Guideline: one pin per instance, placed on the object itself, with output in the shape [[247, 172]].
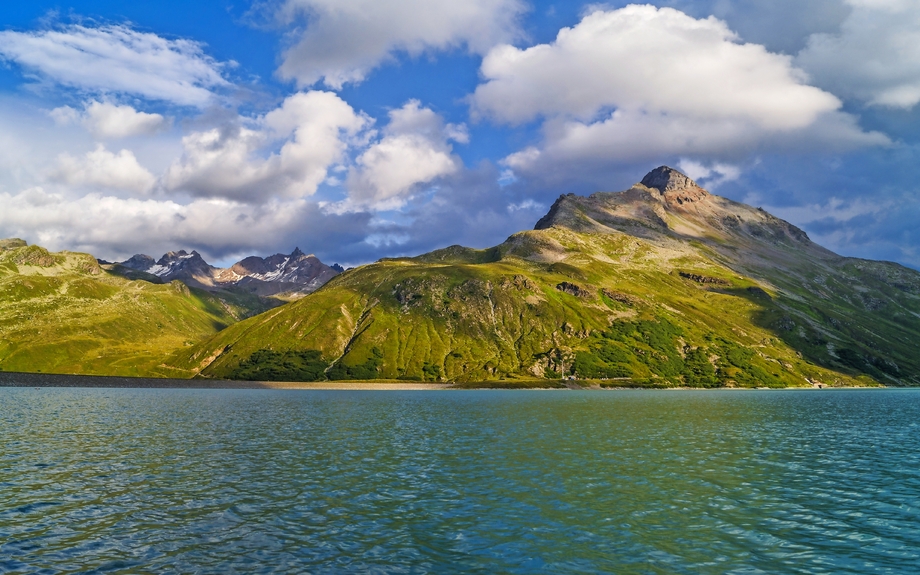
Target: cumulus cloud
[[116, 228], [709, 175], [313, 129], [415, 149], [105, 120], [874, 58], [640, 83], [467, 208], [343, 41], [117, 59], [101, 168], [780, 25], [586, 150], [649, 59], [881, 227]]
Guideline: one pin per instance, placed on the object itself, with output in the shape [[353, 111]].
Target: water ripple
[[252, 481]]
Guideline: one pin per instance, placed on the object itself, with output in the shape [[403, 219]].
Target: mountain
[[66, 313], [663, 284], [296, 274]]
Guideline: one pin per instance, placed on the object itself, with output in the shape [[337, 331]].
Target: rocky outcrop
[[665, 179], [701, 279], [573, 289]]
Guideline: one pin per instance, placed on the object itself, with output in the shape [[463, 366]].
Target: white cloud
[[101, 168], [123, 226], [649, 59], [65, 116], [414, 150], [344, 40], [709, 176], [834, 209], [117, 59], [314, 127], [527, 205], [780, 25], [571, 147], [875, 57], [640, 83], [105, 120]]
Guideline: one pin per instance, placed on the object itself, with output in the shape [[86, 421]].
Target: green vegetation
[[650, 351], [357, 371], [64, 313], [268, 365], [611, 307]]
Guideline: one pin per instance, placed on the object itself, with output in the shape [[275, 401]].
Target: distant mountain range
[[68, 312], [295, 275]]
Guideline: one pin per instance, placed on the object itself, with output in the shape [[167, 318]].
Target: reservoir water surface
[[265, 481]]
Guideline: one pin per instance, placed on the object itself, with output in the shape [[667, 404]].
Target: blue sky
[[368, 128]]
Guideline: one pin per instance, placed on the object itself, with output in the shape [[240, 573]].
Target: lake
[[267, 481]]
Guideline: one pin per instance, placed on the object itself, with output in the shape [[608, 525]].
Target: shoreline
[[25, 379]]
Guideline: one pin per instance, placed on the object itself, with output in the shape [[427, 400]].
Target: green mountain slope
[[64, 313], [664, 284]]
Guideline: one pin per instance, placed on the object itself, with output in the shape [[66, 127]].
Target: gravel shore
[[10, 379]]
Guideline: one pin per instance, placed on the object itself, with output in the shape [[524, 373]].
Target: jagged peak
[[667, 179], [551, 216]]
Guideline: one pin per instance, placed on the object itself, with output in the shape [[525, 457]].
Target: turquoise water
[[253, 481]]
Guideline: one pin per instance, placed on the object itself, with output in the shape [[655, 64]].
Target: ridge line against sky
[[362, 129]]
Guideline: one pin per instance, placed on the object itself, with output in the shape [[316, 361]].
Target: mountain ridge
[[661, 284], [294, 275]]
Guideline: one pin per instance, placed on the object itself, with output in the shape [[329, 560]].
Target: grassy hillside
[[610, 307], [642, 288], [64, 313]]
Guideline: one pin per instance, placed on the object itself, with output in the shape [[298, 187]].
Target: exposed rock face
[[701, 279], [573, 289], [139, 262], [554, 213], [668, 204], [297, 272], [187, 267], [676, 189], [665, 179]]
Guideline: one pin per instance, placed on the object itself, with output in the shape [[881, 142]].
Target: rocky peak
[[676, 189], [140, 262], [665, 179], [170, 257], [558, 212]]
